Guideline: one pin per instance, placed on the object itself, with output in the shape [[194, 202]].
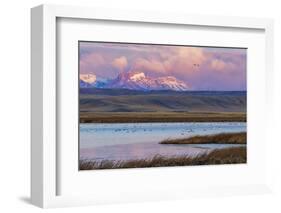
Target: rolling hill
[[123, 100]]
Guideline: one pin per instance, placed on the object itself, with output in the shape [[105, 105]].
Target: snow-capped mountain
[[91, 81], [138, 81], [88, 78], [171, 83]]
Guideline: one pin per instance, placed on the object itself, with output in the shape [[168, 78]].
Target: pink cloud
[[221, 66], [91, 62], [185, 60], [202, 67], [151, 65], [120, 63], [173, 60]]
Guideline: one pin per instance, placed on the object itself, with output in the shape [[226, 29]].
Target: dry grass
[[136, 117], [222, 138], [235, 155]]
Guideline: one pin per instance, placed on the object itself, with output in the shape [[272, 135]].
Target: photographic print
[[158, 105]]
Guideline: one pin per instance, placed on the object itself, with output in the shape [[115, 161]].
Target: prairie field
[[126, 106], [167, 128]]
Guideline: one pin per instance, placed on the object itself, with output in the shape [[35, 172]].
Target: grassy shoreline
[[222, 138], [233, 155], [143, 117]]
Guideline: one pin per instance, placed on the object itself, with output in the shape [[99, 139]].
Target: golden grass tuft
[[234, 155], [222, 138]]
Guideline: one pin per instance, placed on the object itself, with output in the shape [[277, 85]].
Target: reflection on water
[[141, 140]]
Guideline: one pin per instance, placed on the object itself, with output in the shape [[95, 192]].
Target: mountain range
[[134, 80]]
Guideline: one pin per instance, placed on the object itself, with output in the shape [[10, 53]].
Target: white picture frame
[[44, 148]]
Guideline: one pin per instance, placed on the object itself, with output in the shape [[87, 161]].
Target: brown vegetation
[[136, 117], [222, 138], [234, 155]]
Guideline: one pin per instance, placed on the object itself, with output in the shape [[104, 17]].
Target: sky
[[202, 68]]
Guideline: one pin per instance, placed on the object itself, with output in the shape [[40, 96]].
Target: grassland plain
[[127, 106], [233, 155], [162, 101], [111, 106]]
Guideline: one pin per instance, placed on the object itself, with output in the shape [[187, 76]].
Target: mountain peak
[[88, 78], [135, 80], [135, 76]]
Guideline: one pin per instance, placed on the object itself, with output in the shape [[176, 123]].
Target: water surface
[[122, 141]]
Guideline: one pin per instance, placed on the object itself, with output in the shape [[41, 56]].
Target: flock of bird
[[180, 129]]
